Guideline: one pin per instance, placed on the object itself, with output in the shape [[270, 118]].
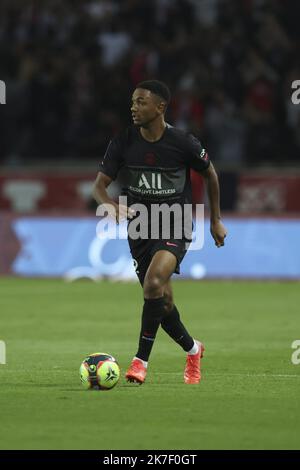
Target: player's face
[[145, 107]]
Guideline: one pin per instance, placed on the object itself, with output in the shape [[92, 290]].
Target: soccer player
[[157, 159]]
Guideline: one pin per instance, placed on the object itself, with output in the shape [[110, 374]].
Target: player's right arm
[[116, 211], [109, 168], [99, 190]]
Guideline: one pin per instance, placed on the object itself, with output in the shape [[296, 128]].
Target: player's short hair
[[157, 87]]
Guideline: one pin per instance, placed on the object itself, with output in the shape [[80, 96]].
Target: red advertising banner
[[38, 191], [246, 193], [269, 193]]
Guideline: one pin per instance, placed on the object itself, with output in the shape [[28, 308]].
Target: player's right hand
[[124, 213], [118, 212]]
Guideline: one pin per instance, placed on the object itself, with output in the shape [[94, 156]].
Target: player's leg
[[158, 273], [161, 268], [173, 326]]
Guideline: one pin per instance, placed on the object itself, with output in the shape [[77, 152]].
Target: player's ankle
[[145, 363], [194, 350]]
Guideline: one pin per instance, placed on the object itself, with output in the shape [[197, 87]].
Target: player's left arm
[[217, 228], [198, 159]]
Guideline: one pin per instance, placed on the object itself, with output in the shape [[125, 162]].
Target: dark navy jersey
[[155, 172]]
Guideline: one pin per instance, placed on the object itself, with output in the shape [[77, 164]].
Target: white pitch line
[[258, 375], [234, 375]]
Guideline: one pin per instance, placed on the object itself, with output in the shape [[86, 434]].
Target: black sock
[[172, 325], [153, 312]]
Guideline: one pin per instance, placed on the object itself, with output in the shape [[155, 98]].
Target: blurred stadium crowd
[[70, 68]]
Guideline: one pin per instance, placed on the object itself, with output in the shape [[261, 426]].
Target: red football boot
[[192, 372], [136, 372]]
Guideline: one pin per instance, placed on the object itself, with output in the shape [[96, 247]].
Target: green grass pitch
[[248, 398]]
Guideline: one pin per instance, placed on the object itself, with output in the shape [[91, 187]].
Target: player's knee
[[153, 287]]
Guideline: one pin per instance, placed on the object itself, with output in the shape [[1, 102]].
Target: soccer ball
[[99, 371]]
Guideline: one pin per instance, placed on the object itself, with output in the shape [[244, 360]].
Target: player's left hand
[[218, 232]]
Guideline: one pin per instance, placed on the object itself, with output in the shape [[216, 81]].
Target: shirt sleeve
[[113, 159], [197, 155]]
